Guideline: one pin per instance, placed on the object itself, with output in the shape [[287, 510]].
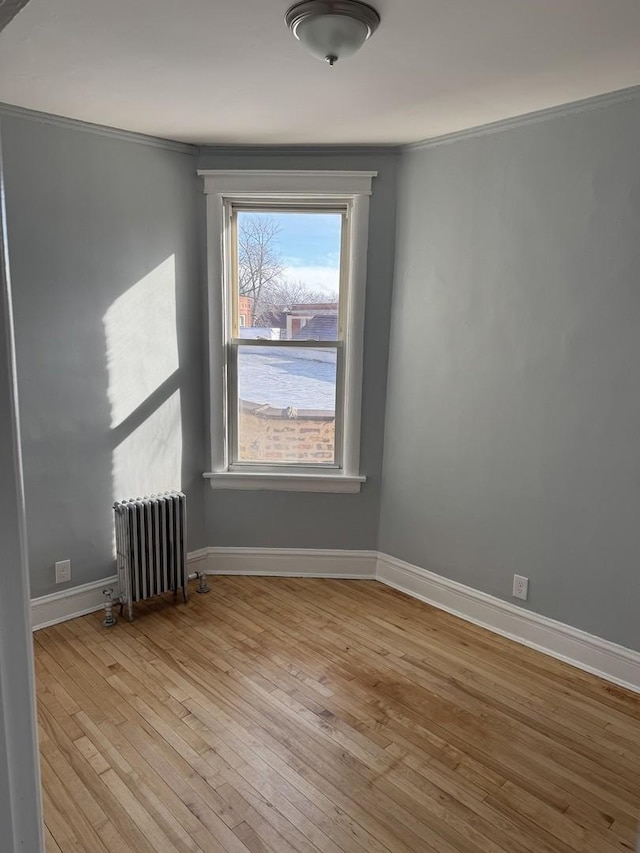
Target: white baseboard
[[276, 562], [198, 561], [293, 562], [586, 651], [87, 598], [69, 603]]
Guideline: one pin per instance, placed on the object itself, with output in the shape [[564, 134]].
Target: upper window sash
[[230, 251]]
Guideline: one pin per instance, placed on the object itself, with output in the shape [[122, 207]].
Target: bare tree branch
[[259, 262], [261, 270]]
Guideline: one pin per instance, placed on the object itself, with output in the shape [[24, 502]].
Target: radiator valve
[[109, 618], [203, 586]]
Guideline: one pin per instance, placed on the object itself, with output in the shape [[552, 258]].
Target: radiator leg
[[109, 618], [176, 592], [203, 586]]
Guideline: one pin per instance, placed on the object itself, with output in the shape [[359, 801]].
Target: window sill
[[335, 483]]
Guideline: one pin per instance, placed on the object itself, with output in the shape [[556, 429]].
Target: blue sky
[[310, 246]]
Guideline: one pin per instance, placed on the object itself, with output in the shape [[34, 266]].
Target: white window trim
[[355, 187]]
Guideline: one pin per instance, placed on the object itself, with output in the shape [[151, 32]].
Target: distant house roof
[[323, 327], [314, 306]]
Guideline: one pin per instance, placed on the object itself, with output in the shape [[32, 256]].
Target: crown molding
[[98, 129], [330, 150], [620, 96], [8, 10], [304, 150]]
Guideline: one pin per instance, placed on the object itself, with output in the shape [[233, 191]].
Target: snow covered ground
[[305, 379]]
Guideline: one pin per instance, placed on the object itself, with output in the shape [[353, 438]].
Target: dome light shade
[[332, 29]]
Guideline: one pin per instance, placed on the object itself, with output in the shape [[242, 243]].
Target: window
[[287, 271]]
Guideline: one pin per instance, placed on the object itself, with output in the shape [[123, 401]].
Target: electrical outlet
[[63, 571], [520, 587]]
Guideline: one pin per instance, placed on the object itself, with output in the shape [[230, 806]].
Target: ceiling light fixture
[[332, 29]]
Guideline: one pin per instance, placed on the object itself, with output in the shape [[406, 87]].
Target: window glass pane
[[288, 274], [287, 405]]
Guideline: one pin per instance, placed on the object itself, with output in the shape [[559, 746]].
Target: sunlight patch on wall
[[149, 460], [142, 343]]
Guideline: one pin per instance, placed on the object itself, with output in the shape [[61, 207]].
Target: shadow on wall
[[103, 241], [113, 423]]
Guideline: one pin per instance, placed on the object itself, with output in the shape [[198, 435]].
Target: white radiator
[[151, 547]]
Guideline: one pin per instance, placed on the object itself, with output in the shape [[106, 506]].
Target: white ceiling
[[228, 71]]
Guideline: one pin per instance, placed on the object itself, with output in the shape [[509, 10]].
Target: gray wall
[[94, 220], [20, 813], [98, 225], [513, 414], [301, 520], [513, 411]]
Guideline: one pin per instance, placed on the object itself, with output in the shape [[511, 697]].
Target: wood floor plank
[[83, 835], [445, 711], [289, 715], [50, 844], [354, 685], [118, 831]]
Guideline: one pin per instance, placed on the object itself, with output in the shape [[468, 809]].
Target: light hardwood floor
[[281, 715]]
